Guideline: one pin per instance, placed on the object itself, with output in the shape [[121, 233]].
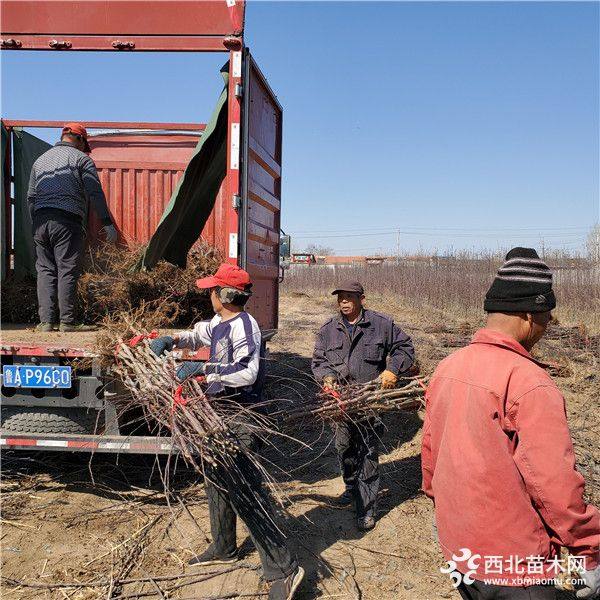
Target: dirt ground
[[68, 520]]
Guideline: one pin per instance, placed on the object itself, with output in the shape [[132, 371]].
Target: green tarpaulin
[[194, 197], [26, 149]]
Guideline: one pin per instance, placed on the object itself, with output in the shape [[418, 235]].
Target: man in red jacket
[[497, 456]]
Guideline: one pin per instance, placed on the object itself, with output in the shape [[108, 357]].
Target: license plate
[[18, 376]]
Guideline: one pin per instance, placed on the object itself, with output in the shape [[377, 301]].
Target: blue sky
[[460, 125]]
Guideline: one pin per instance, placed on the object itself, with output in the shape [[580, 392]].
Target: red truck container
[[139, 166]]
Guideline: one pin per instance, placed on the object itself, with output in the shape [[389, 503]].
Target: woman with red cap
[[234, 370]]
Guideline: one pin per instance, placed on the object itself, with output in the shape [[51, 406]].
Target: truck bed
[[13, 334]]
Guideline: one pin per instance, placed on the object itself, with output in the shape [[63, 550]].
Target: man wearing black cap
[[497, 456], [360, 345]]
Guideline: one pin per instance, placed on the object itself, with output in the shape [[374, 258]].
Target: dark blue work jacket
[[376, 344]]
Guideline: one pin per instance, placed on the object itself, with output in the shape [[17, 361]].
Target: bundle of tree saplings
[[356, 401], [202, 429], [19, 300], [111, 284]]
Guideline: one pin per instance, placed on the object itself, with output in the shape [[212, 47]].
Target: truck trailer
[[140, 166]]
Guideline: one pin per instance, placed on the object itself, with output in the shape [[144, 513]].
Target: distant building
[[354, 260], [303, 258]]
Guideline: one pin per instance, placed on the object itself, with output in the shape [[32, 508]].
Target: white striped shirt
[[234, 350]]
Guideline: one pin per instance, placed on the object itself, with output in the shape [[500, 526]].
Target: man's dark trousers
[[487, 591], [237, 489], [357, 444], [59, 244]]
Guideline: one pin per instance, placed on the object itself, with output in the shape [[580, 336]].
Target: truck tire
[[21, 419]]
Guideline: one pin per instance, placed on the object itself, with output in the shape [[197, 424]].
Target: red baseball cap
[[80, 130], [227, 275]]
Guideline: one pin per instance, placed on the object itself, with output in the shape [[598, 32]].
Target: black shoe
[[284, 589], [210, 557], [346, 499], [366, 523]]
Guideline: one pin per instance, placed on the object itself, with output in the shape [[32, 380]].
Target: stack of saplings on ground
[[19, 300]]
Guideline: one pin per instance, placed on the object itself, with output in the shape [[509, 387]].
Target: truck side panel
[[138, 173], [125, 17]]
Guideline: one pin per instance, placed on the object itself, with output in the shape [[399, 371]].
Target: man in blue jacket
[[360, 345]]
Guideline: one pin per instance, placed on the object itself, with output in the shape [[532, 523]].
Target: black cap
[[523, 284], [352, 287]]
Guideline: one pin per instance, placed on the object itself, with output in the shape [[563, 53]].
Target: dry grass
[[436, 333], [455, 286], [73, 521]]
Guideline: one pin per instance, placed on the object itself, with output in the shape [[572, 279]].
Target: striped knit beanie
[[523, 284]]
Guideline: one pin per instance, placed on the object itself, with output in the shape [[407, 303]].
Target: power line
[[503, 235], [566, 228]]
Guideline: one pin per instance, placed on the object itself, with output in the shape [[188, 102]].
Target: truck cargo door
[[5, 207], [261, 192]]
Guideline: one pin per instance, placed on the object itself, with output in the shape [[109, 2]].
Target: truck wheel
[[21, 419]]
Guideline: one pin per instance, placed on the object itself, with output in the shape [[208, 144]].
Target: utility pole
[[398, 247]]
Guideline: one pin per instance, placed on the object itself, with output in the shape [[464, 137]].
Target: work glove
[[388, 380], [110, 233], [592, 584], [330, 383], [162, 344], [190, 368]]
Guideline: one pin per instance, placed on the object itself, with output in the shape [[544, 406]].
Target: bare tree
[[593, 244], [318, 250]]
